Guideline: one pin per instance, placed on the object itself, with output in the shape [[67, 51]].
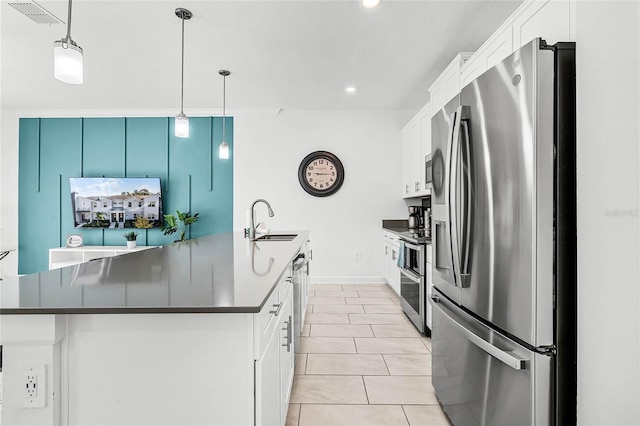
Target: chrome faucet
[[252, 227]]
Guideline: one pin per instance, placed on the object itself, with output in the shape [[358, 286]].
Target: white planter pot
[[131, 244]]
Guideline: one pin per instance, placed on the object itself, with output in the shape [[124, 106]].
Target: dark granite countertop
[[398, 227], [224, 273]]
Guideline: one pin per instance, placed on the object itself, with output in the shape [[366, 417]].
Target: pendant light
[[181, 124], [67, 58], [223, 150]]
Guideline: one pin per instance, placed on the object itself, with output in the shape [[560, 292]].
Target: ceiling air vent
[[36, 13]]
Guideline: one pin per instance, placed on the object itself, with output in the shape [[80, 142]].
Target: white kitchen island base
[[188, 334], [135, 369]]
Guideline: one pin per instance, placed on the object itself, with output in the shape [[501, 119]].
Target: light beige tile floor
[[361, 362]]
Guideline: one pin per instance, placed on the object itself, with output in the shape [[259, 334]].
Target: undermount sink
[[276, 237]]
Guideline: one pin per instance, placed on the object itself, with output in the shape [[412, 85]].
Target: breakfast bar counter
[[222, 273], [196, 332]]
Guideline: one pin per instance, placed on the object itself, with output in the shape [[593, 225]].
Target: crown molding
[[65, 113]]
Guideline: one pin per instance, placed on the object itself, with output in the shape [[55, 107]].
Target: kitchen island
[[179, 334]]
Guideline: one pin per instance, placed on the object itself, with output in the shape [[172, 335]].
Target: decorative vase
[[131, 244]]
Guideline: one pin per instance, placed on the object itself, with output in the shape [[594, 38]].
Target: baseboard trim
[[347, 280]]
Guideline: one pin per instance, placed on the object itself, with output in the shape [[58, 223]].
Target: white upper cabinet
[[448, 84], [553, 20], [498, 47], [416, 144]]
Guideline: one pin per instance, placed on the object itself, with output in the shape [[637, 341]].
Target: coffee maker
[[416, 218]]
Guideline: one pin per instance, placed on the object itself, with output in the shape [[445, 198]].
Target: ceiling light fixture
[[223, 150], [350, 89], [181, 124], [370, 4], [67, 58]]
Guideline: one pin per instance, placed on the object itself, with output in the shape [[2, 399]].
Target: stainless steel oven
[[412, 280]]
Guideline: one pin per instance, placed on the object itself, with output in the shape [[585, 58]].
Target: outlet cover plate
[[35, 385]]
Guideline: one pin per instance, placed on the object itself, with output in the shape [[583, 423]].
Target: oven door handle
[[410, 245], [411, 275]]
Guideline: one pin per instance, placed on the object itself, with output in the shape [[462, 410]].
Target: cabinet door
[[425, 145], [415, 184], [267, 398], [406, 158], [287, 356], [498, 47], [394, 272], [438, 96], [550, 20], [386, 255]]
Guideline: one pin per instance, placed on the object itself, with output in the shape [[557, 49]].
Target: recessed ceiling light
[[370, 4], [350, 89]]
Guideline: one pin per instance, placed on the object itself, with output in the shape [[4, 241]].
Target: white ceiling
[[281, 54]]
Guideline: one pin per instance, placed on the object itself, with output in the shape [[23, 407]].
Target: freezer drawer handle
[[507, 358]]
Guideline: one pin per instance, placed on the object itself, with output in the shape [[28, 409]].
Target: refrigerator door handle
[[450, 224], [460, 204], [508, 358], [466, 212]]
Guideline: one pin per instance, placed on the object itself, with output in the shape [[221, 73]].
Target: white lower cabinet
[[274, 364], [390, 270], [268, 385], [287, 356]]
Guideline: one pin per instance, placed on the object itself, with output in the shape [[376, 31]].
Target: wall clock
[[321, 173]]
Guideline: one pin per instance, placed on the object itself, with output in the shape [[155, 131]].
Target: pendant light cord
[[68, 39], [224, 106], [182, 71]]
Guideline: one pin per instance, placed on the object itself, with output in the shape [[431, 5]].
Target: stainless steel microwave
[[427, 170]]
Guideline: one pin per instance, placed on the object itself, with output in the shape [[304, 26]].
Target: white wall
[[608, 90], [9, 194], [268, 151]]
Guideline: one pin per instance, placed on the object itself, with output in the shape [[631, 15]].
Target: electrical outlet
[[358, 256], [35, 386]]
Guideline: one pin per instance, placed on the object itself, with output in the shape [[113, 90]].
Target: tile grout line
[[386, 365], [403, 412], [364, 385]]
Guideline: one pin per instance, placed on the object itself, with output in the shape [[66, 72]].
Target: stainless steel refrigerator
[[504, 243]]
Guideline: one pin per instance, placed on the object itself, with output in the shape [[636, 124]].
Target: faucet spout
[[252, 227]]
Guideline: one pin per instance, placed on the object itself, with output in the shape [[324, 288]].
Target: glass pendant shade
[[182, 126], [67, 62], [223, 151]]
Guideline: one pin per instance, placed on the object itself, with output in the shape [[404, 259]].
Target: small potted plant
[[131, 239], [172, 223]]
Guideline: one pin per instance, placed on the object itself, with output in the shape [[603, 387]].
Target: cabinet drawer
[[265, 322], [390, 237]]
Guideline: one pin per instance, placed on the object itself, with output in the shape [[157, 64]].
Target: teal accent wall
[[51, 150]]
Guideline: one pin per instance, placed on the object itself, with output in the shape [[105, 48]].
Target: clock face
[[321, 173]]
